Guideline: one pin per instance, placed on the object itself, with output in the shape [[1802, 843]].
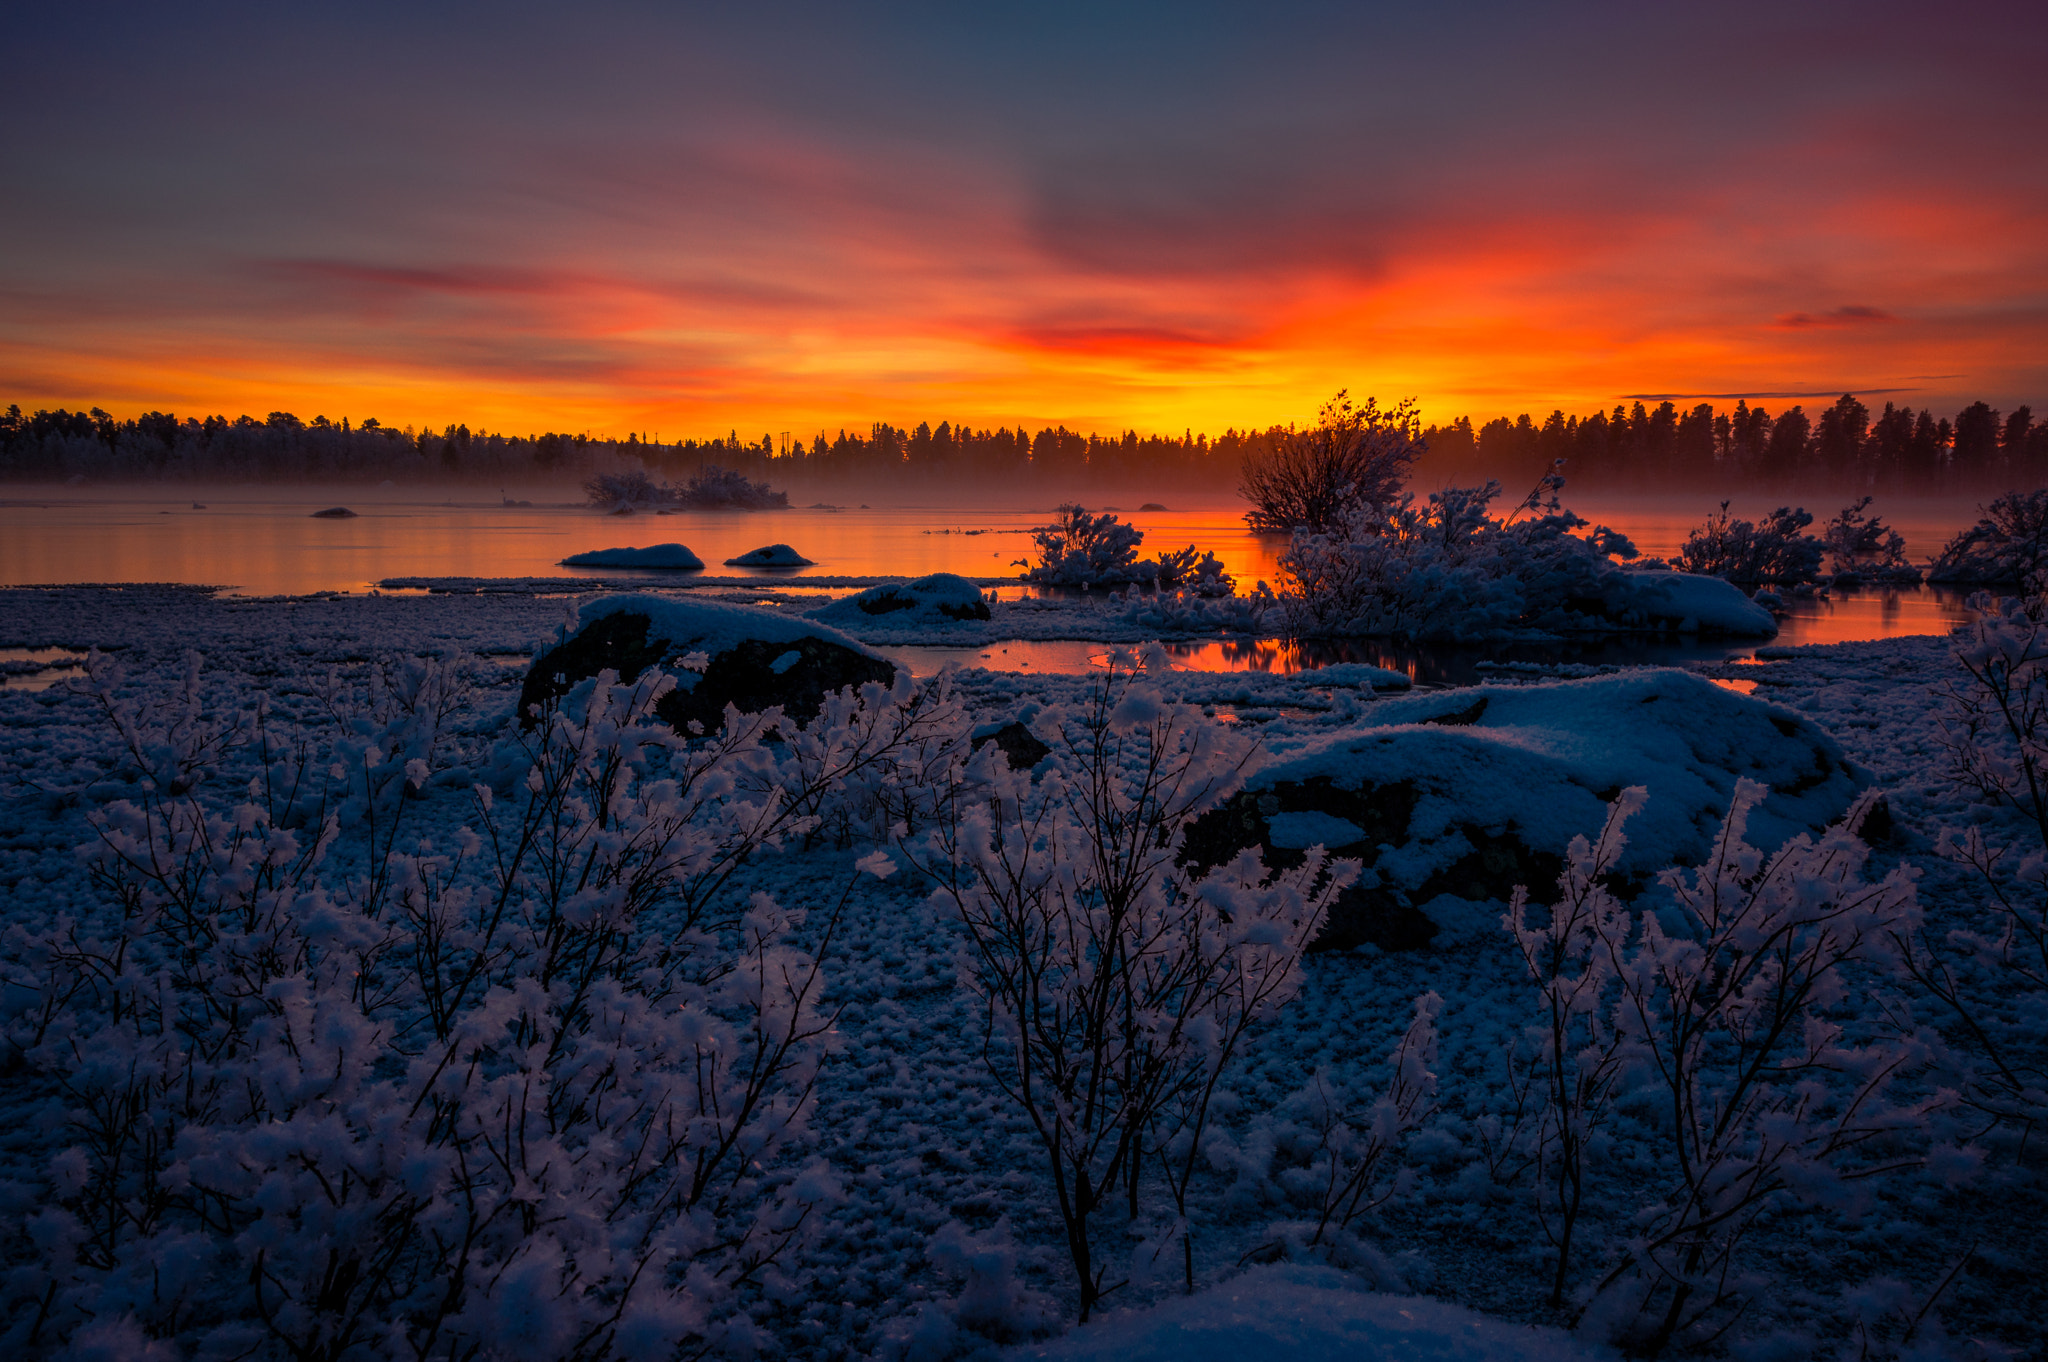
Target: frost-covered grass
[[945, 1233]]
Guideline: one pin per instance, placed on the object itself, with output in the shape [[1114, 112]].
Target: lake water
[[265, 541]]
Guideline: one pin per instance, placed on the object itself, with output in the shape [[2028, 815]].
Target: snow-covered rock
[[719, 654], [941, 599], [653, 556], [1687, 603], [770, 555], [1289, 1313], [1467, 794]]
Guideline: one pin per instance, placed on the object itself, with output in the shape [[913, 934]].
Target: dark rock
[[1362, 914], [1019, 746], [1459, 718], [335, 513], [793, 669]]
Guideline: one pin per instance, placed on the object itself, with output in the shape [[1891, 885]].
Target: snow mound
[[653, 556], [713, 627], [1688, 603], [770, 555], [940, 599], [1541, 760], [1300, 1314], [1468, 793]]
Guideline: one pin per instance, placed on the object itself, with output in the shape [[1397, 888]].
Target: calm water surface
[[264, 541]]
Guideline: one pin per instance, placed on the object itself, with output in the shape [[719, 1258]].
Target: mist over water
[[265, 541]]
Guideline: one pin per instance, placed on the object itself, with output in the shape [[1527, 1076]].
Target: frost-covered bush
[[1446, 569], [1573, 958], [1319, 479], [2007, 547], [1726, 1003], [1861, 545], [1995, 983], [1349, 1168], [1204, 576], [539, 1090], [1117, 983], [633, 487], [1184, 612], [1079, 549], [1776, 549], [712, 488]]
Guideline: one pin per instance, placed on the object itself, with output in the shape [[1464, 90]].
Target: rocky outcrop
[[754, 659]]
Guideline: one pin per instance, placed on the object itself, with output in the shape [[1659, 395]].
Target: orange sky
[[631, 221]]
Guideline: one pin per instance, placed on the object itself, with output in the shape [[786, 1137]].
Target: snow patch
[[1302, 1314], [653, 556]]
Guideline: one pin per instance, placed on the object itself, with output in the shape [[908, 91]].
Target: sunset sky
[[688, 218]]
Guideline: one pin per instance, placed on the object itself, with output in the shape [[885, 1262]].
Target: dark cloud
[[1731, 397], [1841, 316]]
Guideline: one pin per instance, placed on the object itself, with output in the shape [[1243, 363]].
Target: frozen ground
[[922, 1140]]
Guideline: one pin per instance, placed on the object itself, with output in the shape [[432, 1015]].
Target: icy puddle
[[39, 668]]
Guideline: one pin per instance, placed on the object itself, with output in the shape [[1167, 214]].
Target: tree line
[[1633, 448], [1844, 446]]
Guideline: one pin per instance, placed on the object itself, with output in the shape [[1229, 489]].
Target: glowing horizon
[[639, 222]]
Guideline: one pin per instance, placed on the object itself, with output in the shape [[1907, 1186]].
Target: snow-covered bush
[[1863, 546], [2007, 547], [1204, 576], [539, 1091], [1729, 1013], [1117, 983], [1775, 549], [1319, 479], [1446, 569], [1079, 549]]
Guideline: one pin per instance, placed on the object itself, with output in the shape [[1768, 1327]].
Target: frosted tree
[[1115, 981], [1765, 1096]]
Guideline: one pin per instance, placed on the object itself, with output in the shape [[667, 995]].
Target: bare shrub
[[1353, 456]]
